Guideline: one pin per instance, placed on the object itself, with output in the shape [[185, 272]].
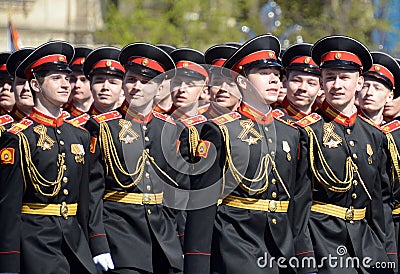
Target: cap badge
[[307, 60], [377, 68], [82, 60], [185, 64], [60, 58], [108, 63], [338, 55], [271, 55], [145, 62]]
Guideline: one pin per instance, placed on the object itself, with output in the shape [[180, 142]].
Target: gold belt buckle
[[350, 214], [146, 199], [272, 206], [64, 210]]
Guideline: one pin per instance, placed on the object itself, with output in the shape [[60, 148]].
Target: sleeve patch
[[202, 148], [7, 156]]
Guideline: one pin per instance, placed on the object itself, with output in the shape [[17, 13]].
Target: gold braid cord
[[111, 158], [350, 168], [193, 140], [394, 155], [36, 178], [266, 160]]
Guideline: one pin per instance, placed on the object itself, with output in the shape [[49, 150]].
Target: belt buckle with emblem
[[64, 210], [146, 199], [350, 214], [272, 206]]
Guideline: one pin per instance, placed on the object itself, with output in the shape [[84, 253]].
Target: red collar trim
[[337, 116], [362, 114], [73, 110], [18, 114], [138, 117], [292, 111], [46, 120], [93, 111], [161, 110], [255, 115]]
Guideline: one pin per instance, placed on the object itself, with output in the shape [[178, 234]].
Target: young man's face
[[224, 91], [340, 86], [373, 96], [22, 93], [186, 90], [139, 90], [55, 88], [80, 87], [106, 90], [266, 81], [302, 88], [392, 109], [7, 99]]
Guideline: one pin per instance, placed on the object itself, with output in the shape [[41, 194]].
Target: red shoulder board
[[6, 119], [309, 120], [18, 127], [80, 120], [108, 116], [65, 115], [277, 113], [226, 118], [392, 126], [370, 122], [164, 117], [203, 108], [191, 121]]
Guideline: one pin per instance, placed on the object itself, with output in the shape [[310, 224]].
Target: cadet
[[23, 95], [7, 99], [256, 219], [345, 166], [129, 185], [45, 176], [81, 97], [302, 83]]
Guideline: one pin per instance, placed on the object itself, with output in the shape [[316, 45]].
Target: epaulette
[[369, 122], [203, 108], [108, 116], [6, 119], [289, 123], [226, 118], [277, 113], [389, 127], [80, 120], [191, 121], [65, 114], [164, 117], [309, 120], [20, 126]]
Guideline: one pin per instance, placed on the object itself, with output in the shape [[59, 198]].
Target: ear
[[241, 81], [360, 83], [35, 85], [204, 93]]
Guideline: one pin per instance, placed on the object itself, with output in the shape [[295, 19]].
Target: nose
[[138, 85], [274, 79]]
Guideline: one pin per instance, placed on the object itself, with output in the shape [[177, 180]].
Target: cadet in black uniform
[[303, 82], [7, 99], [132, 171], [346, 165], [45, 176], [257, 219]]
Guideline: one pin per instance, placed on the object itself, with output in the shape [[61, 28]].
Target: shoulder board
[[309, 120], [226, 118], [20, 126], [80, 120], [164, 117], [277, 113], [289, 123], [203, 108], [369, 122], [6, 119], [191, 121], [65, 115], [391, 126], [108, 116]]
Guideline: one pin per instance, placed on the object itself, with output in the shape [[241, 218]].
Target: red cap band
[[109, 64], [256, 56], [341, 55], [78, 61], [218, 62], [192, 66], [146, 62], [303, 60], [382, 70], [3, 67]]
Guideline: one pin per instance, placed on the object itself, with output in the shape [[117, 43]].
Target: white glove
[[103, 262]]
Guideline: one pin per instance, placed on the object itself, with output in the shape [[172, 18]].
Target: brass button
[[146, 139], [65, 180], [149, 211], [266, 129], [272, 206], [351, 143], [270, 140], [148, 187], [144, 128], [64, 167], [354, 195], [355, 182], [355, 156], [274, 221], [272, 153], [58, 131], [273, 181], [147, 175], [62, 142], [146, 199], [348, 131], [274, 194], [65, 191], [147, 150], [147, 162]]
